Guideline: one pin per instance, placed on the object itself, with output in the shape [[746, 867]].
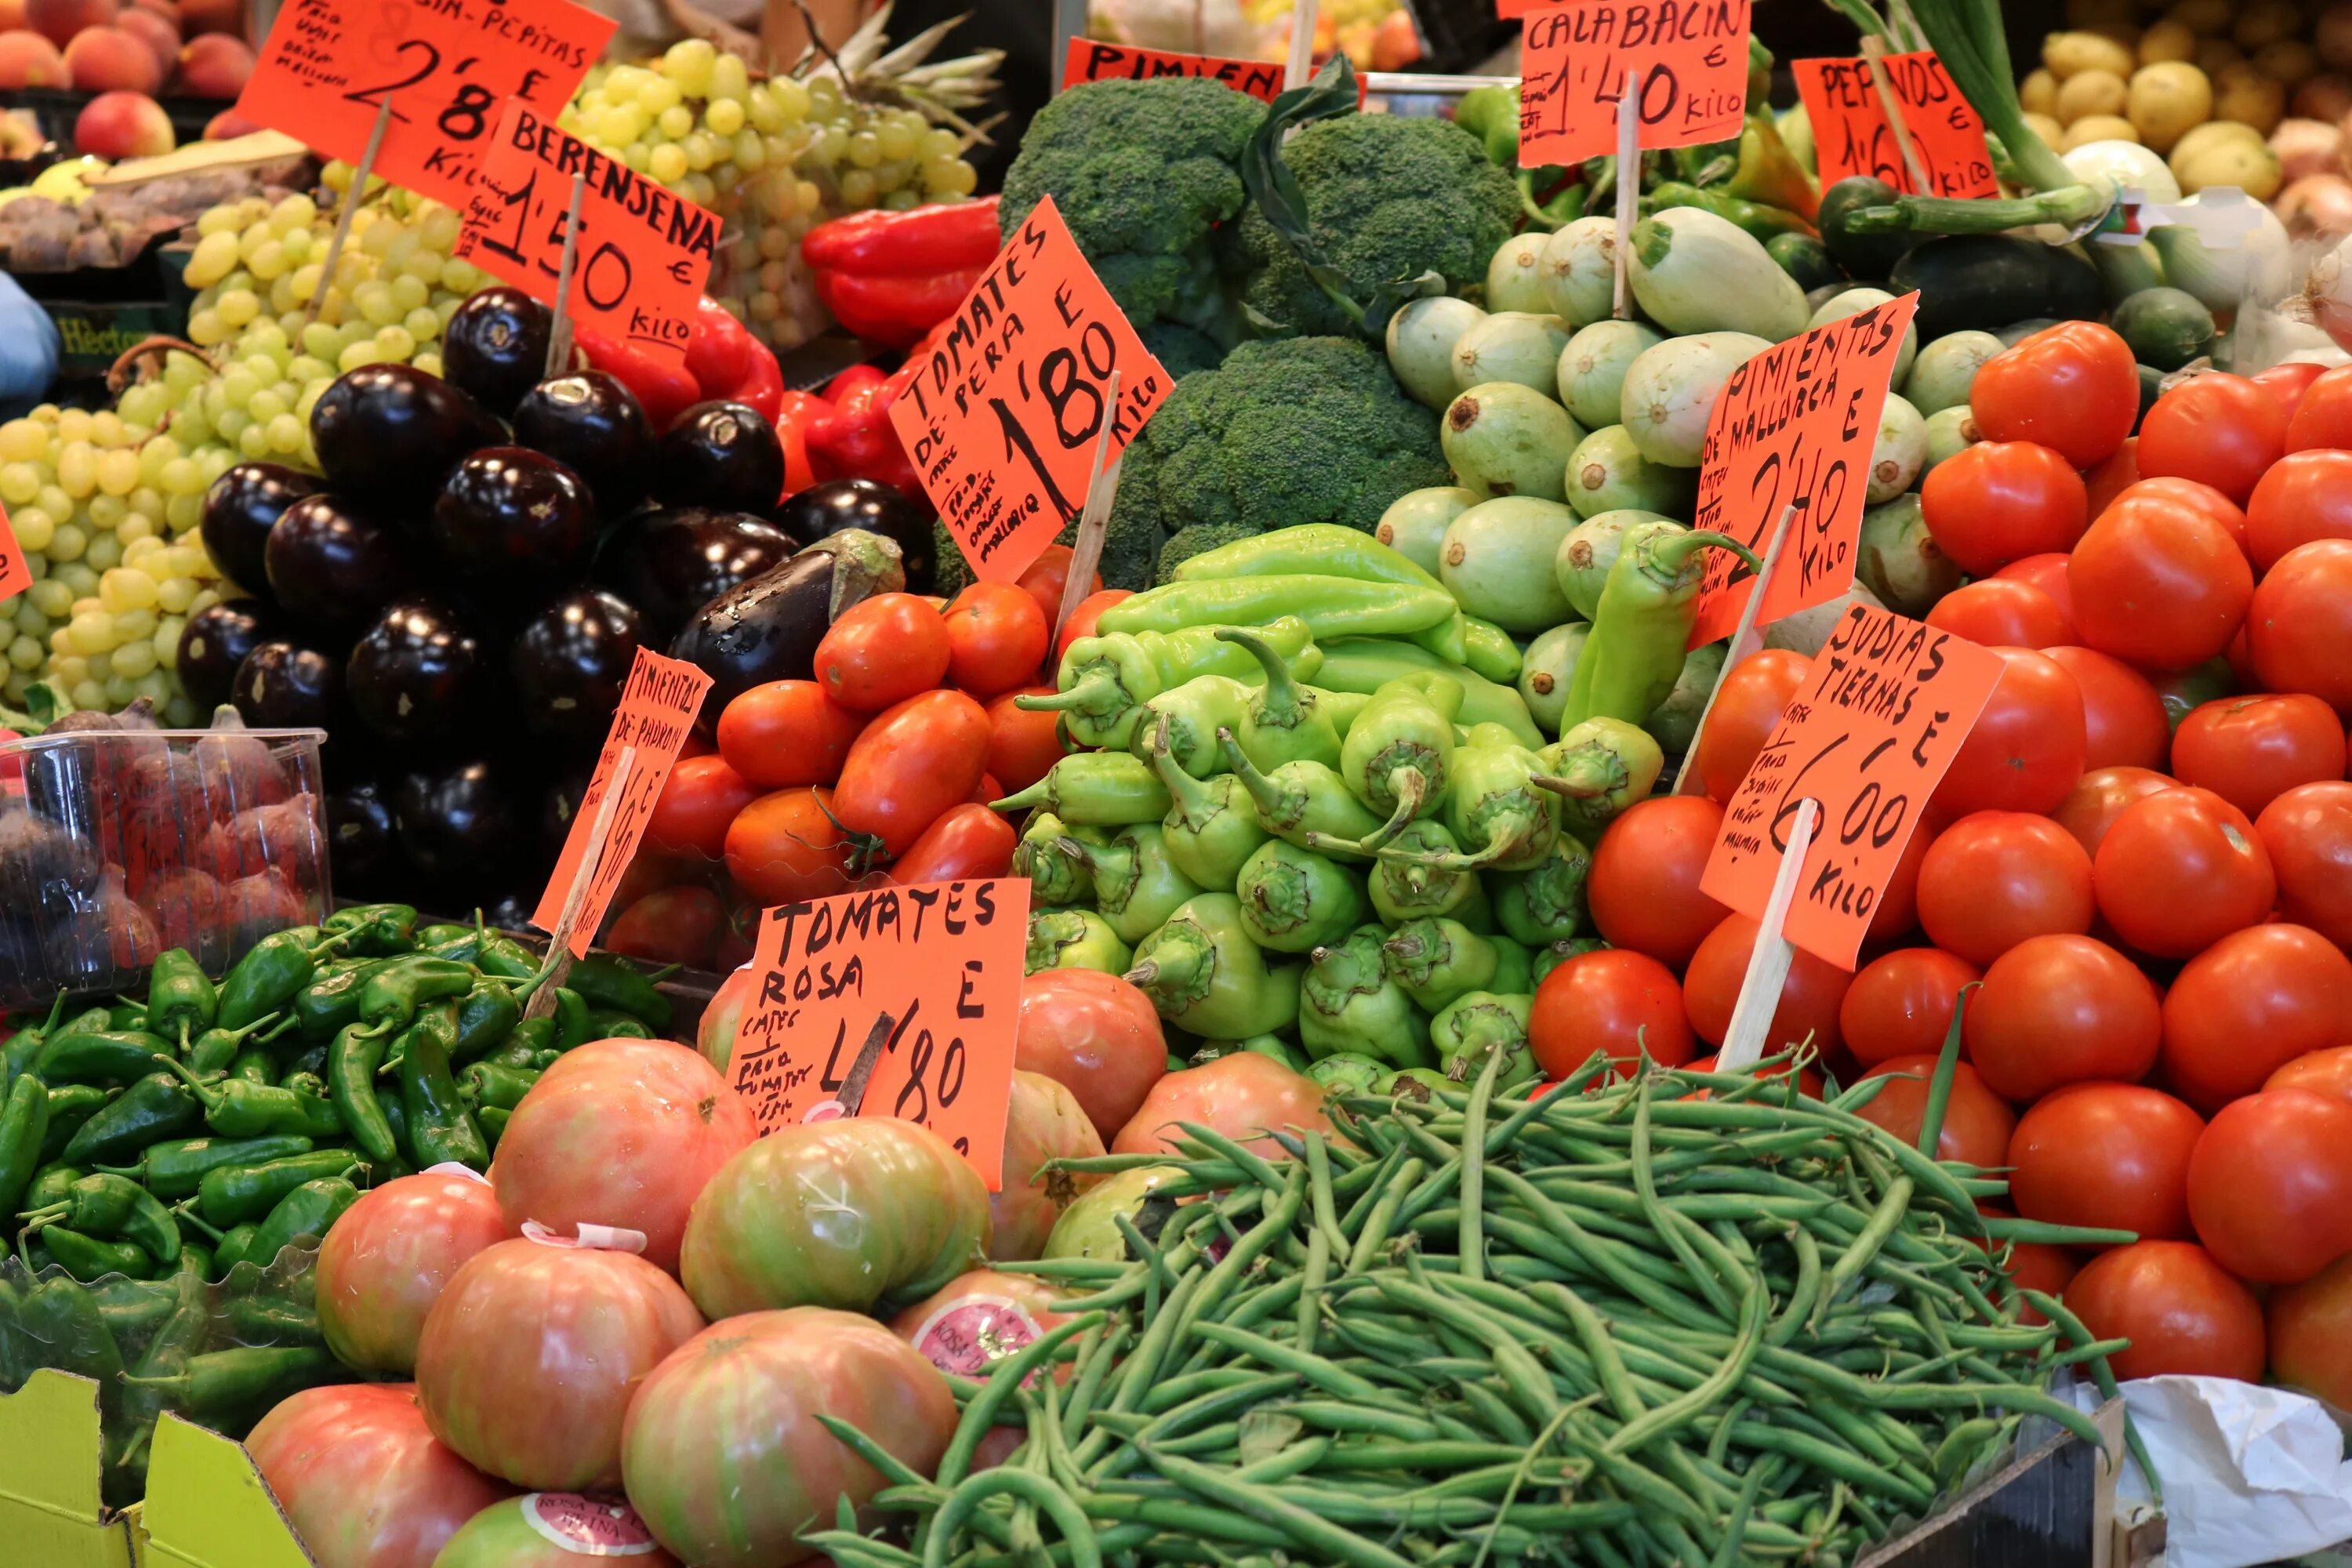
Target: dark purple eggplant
[[495, 347], [387, 432], [722, 454], [509, 512], [284, 686], [416, 674], [822, 511], [768, 628], [459, 825], [330, 565], [569, 662], [215, 642], [238, 511], [593, 426], [362, 847], [671, 564]]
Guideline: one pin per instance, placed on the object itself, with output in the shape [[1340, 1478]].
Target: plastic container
[[118, 844]]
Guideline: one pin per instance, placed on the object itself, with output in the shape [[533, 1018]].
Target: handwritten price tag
[[1851, 136], [943, 959], [1090, 61], [1693, 60], [656, 713], [1869, 737], [1001, 420], [642, 254], [1796, 425], [16, 571], [328, 66]]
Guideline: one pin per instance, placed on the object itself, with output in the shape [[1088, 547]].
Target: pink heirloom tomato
[[388, 1260], [1045, 1121], [554, 1529], [362, 1480]]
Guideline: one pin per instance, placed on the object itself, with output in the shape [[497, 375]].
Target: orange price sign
[[1090, 61], [1795, 426], [1003, 417], [943, 960], [328, 66], [643, 254], [16, 571], [656, 713], [1573, 57], [1868, 738], [1851, 136]]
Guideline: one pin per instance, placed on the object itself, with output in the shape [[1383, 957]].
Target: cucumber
[[1854, 302], [1592, 368], [1670, 390], [1608, 473], [1946, 369], [1694, 272], [1988, 281], [1804, 259], [1862, 255], [2166, 328]]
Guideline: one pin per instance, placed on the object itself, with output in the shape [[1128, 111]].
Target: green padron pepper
[[1598, 769], [1296, 900], [1438, 960], [1136, 885], [1075, 939], [1204, 974], [23, 1127], [1212, 827], [1348, 1002], [1482, 1024], [181, 1001]]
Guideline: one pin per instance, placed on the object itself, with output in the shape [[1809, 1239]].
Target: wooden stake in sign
[[1873, 50], [1300, 68], [1629, 183], [559, 335], [1102, 488], [559, 944], [1769, 961], [1745, 641], [350, 209]]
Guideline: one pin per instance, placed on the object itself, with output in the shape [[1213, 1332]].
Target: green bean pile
[[1691, 1319]]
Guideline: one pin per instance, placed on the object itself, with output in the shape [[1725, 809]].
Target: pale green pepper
[[1423, 881], [1514, 967], [1054, 879], [1348, 1002], [1305, 802], [1493, 807], [1204, 974], [1274, 1047], [1073, 939], [1136, 885], [1366, 664], [1096, 789], [1402, 742], [1547, 903], [1482, 1024], [1551, 956], [1598, 769], [1212, 827], [1191, 716], [1282, 721], [1344, 1072], [1295, 901], [1104, 681], [1436, 960]]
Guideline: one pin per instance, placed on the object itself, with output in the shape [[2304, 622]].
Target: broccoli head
[[1388, 199], [1198, 540], [1143, 172]]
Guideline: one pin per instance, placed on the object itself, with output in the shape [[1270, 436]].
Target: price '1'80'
[[1062, 386]]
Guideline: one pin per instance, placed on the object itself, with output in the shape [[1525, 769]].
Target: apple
[[28, 59], [215, 66], [123, 125], [107, 60], [59, 20], [162, 38]]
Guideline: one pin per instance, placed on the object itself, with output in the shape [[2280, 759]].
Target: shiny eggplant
[[593, 426], [284, 686], [569, 662], [509, 513], [768, 628], [215, 642], [459, 825], [239, 510], [387, 432], [671, 564], [495, 347], [331, 565], [417, 675], [822, 511], [720, 454]]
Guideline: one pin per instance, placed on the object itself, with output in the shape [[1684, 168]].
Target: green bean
[[970, 1493], [1005, 1380]]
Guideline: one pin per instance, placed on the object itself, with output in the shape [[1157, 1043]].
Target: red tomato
[[362, 1480], [913, 763], [670, 925], [2072, 388], [2002, 612], [2195, 496], [697, 800], [1901, 1003], [2026, 750], [2158, 585], [2179, 870], [1976, 1125], [1999, 502], [1748, 704], [1084, 618], [386, 1261], [1809, 1082], [2112, 476], [2323, 418], [2310, 1328], [2250, 1004], [787, 845], [2327, 1073], [2241, 660], [968, 842], [2124, 722], [986, 791], [1095, 1034], [2220, 430], [2182, 1311], [997, 639], [1897, 914], [1644, 887], [2270, 1187], [2252, 750], [2033, 1266], [2046, 572], [1808, 997], [2100, 796], [881, 651], [785, 733], [1995, 877], [2062, 1009], [2307, 833], [1614, 1001], [2288, 383], [2305, 496], [1048, 575], [1022, 745], [2112, 1156], [2299, 626]]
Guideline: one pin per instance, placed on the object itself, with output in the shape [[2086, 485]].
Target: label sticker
[[588, 1526], [965, 1335]]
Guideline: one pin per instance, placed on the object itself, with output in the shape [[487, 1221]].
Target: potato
[[2067, 53], [2214, 54], [2289, 61], [2265, 20], [2210, 133], [2167, 100], [2203, 18], [2097, 128], [2245, 95], [2166, 40], [2091, 93], [2038, 93], [2234, 161], [2049, 130]]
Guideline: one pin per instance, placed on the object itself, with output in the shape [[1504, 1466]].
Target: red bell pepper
[[664, 387], [893, 276], [855, 439], [729, 363], [795, 411]]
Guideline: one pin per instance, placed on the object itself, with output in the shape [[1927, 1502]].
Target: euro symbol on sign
[[1714, 55], [682, 272]]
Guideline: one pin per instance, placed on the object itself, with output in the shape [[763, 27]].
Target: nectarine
[[108, 59], [162, 38], [215, 66], [28, 59], [123, 125], [59, 20]]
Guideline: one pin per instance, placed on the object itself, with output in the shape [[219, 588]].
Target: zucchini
[[1901, 451], [2166, 328], [1694, 272], [1854, 302], [1592, 368], [1803, 258], [1670, 392], [1862, 255], [1946, 369], [1987, 280], [1608, 473]]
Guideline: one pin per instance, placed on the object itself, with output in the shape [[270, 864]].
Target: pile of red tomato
[[2141, 860], [879, 767]]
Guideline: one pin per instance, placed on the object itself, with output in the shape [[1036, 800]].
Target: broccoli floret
[[1288, 430], [1143, 172], [1388, 199], [1198, 540]]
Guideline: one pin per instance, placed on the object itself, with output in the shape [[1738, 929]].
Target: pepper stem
[[1670, 555], [1282, 704], [1038, 794], [188, 1211], [1410, 789], [1508, 827], [206, 1094], [1094, 693], [1262, 789], [1191, 796]]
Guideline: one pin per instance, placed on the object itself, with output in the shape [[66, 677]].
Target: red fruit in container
[[390, 1257], [362, 1480], [254, 907]]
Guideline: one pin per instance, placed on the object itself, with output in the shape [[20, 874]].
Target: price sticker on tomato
[[329, 65], [1088, 61], [1692, 59], [943, 960], [657, 714], [642, 254], [1796, 425], [1002, 417], [1851, 136], [16, 571], [1868, 737]]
